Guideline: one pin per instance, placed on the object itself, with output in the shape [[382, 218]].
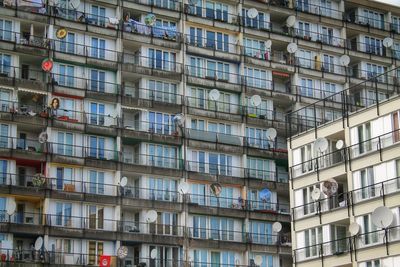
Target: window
[[63, 214], [95, 251], [169, 4], [163, 91], [338, 234], [375, 70], [267, 260], [364, 136], [97, 80], [96, 147], [261, 168], [261, 232], [4, 173], [98, 16], [303, 5], [257, 137], [67, 45], [64, 176], [369, 230], [258, 78], [198, 194], [255, 48], [217, 70], [219, 128], [5, 67], [65, 142], [373, 263], [328, 63], [67, 108], [165, 224], [6, 30], [327, 35], [163, 189], [196, 36], [304, 29], [98, 49], [198, 161], [97, 113], [196, 67], [225, 199], [217, 41], [329, 89], [64, 245], [66, 76], [313, 237], [304, 59], [5, 102], [96, 182], [217, 11], [396, 51], [396, 24], [161, 123], [159, 59], [373, 46], [199, 98], [258, 203], [221, 229], [4, 136], [367, 182], [306, 158], [96, 217], [373, 19], [162, 156], [220, 164], [200, 258], [307, 88], [326, 8], [260, 22], [264, 111]]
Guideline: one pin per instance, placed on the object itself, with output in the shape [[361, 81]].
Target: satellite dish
[[113, 21], [216, 189], [11, 206], [74, 3], [354, 228], [344, 60], [179, 119], [258, 260], [268, 44], [330, 187], [276, 227], [339, 144], [316, 194], [122, 252], [290, 21], [43, 137], [382, 217], [292, 48], [153, 253], [252, 13], [193, 2], [387, 42], [39, 243], [151, 216], [214, 94], [124, 181], [271, 133], [61, 33], [47, 64], [183, 188], [265, 194], [321, 144], [255, 100], [150, 19]]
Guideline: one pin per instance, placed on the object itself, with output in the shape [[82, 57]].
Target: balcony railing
[[152, 160], [151, 127], [307, 7], [368, 21], [159, 94], [377, 50], [165, 4], [213, 74], [165, 33], [320, 65], [152, 62], [217, 43], [321, 38], [212, 14]]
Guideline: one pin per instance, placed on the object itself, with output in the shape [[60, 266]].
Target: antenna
[[216, 189], [11, 206], [39, 243], [74, 3], [183, 188], [330, 187], [252, 13], [214, 94], [265, 194], [339, 144], [151, 216], [316, 194], [290, 21], [122, 252], [276, 227], [268, 44], [43, 137], [321, 144], [387, 42], [292, 48], [153, 254], [382, 217], [179, 119], [354, 228], [258, 260], [344, 60], [47, 64], [255, 100], [150, 19], [271, 133], [113, 21], [124, 181], [61, 33]]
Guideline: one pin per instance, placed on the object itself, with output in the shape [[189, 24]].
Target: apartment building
[[111, 109], [344, 178]]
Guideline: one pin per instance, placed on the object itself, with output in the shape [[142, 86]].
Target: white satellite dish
[[252, 13], [39, 243], [193, 2], [387, 42], [339, 144], [43, 137], [255, 100], [292, 48], [354, 228], [74, 4], [124, 181], [151, 216], [276, 227], [330, 187], [183, 188], [268, 44], [382, 217], [271, 133], [179, 119], [214, 94], [153, 254], [290, 21], [11, 206], [321, 144], [316, 194], [258, 260], [122, 252], [344, 60]]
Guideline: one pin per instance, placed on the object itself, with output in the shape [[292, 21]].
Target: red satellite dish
[[47, 64]]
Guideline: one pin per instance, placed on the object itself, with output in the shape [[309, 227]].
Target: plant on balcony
[[39, 180]]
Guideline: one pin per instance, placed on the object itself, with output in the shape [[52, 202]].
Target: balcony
[[368, 22], [172, 5], [307, 7], [318, 37], [320, 66], [152, 160], [214, 17]]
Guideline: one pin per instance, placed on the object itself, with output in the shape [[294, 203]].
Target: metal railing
[[152, 160], [320, 37], [368, 21], [307, 7], [213, 74], [156, 94], [165, 33], [212, 14], [152, 62], [165, 4], [216, 43], [320, 65]]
